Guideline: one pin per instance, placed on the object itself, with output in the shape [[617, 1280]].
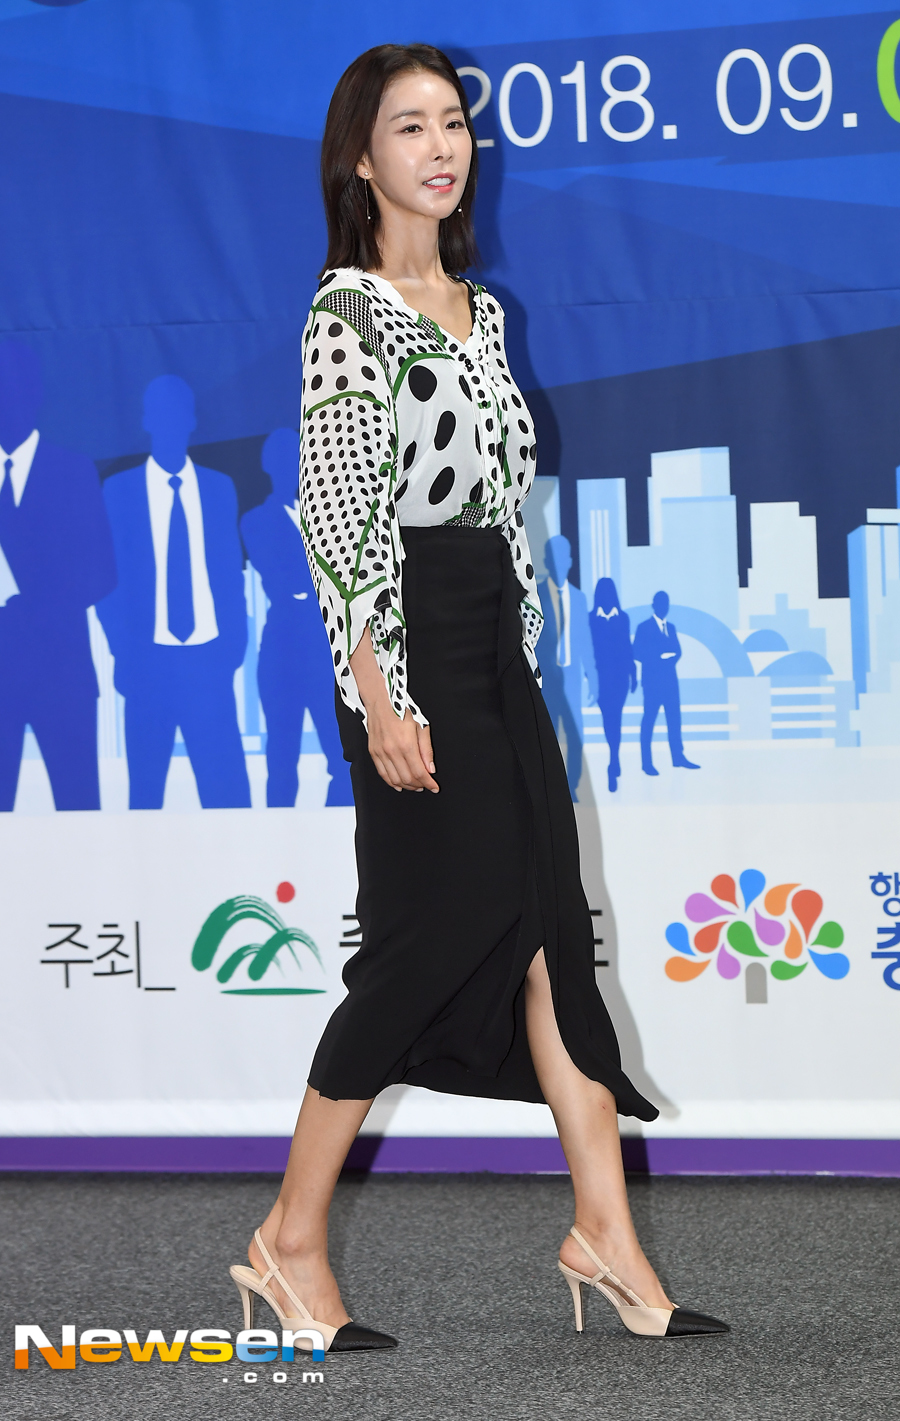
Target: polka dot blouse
[[403, 425]]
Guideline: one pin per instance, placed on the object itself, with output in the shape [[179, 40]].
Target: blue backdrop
[[690, 215]]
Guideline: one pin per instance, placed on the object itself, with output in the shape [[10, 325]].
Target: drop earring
[[368, 209]]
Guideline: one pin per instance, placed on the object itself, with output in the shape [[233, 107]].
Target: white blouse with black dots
[[403, 425]]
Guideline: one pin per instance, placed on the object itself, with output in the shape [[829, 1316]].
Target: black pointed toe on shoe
[[353, 1338], [683, 1323], [640, 1319]]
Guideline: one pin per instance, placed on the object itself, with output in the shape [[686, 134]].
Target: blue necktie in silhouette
[[178, 569], [7, 497], [8, 508]]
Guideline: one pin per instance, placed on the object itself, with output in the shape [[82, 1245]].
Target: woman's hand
[[401, 749]]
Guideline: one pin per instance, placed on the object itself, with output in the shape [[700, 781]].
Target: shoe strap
[[605, 1273], [275, 1272]]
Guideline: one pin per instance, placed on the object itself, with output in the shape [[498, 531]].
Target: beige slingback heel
[[349, 1338], [637, 1317]]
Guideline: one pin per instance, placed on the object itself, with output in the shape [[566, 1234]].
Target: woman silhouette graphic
[[616, 671]]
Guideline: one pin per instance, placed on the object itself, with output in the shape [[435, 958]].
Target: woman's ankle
[[608, 1231], [272, 1223], [299, 1246]]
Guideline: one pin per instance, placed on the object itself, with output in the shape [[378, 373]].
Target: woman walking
[[475, 974]]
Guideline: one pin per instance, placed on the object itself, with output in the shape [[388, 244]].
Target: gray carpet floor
[[462, 1269]]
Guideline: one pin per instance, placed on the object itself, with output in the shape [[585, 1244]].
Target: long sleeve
[[348, 473], [530, 608], [516, 424]]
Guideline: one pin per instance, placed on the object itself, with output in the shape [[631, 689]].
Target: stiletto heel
[[634, 1313], [349, 1338], [247, 1301], [574, 1282]]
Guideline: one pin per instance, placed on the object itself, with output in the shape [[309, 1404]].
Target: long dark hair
[[605, 593], [352, 238]]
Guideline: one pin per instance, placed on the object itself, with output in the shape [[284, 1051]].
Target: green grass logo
[[259, 956]]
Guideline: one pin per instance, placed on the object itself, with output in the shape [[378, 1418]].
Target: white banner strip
[[408, 1111]]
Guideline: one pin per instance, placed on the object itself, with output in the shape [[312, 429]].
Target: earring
[[368, 209]]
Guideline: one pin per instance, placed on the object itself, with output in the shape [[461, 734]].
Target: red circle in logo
[[285, 892]]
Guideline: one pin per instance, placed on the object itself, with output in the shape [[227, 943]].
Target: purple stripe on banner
[[266, 1154], [457, 1155], [879, 1158], [174, 1154]]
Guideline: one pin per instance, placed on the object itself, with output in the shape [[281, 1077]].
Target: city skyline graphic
[[762, 664], [769, 662]]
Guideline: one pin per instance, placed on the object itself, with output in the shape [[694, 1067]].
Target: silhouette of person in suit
[[57, 560], [565, 654], [616, 671], [177, 621], [657, 648], [295, 671]]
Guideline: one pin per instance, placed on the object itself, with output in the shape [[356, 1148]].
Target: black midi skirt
[[459, 890]]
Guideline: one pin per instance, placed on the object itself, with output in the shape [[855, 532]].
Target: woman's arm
[[348, 470], [401, 749]]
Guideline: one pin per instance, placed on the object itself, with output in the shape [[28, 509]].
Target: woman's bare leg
[[296, 1231], [585, 1115]]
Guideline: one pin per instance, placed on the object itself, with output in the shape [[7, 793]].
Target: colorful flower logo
[[780, 934]]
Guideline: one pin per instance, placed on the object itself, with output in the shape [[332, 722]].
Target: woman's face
[[420, 149]]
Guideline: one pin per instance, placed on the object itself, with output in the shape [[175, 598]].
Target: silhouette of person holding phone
[[657, 648], [177, 621], [56, 560], [295, 671], [616, 671]]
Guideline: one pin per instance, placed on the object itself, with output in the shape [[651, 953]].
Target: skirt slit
[[458, 891]]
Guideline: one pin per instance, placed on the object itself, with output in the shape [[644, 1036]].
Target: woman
[[475, 974], [616, 671]]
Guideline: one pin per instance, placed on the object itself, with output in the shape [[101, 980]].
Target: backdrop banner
[[689, 212]]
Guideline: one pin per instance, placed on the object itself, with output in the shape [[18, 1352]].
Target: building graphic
[[873, 553], [772, 661]]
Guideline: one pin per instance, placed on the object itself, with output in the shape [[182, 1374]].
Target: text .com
[[104, 1345]]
